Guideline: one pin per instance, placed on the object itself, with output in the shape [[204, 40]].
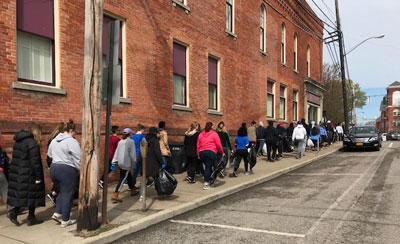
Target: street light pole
[[352, 84]]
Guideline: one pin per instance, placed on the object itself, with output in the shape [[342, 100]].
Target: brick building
[[183, 60], [390, 109]]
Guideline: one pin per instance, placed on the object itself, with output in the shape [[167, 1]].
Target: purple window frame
[[53, 82], [179, 74], [211, 77]]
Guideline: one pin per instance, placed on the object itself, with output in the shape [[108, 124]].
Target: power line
[[323, 12], [329, 9], [315, 17]]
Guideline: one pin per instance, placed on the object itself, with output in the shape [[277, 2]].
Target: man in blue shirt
[[137, 138]]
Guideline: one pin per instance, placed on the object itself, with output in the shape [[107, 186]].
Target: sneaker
[[206, 187], [190, 180], [150, 183], [56, 217], [13, 218], [235, 174], [134, 191], [101, 184], [247, 173], [33, 221], [67, 223], [51, 198]]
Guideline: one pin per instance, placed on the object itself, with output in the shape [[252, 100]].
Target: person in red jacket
[[114, 139], [208, 145]]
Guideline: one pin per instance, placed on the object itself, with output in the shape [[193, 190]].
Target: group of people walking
[[22, 181]]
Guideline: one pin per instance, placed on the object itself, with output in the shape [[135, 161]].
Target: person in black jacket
[[190, 147], [260, 138], [26, 180], [289, 133], [281, 138], [225, 142], [154, 161], [271, 138]]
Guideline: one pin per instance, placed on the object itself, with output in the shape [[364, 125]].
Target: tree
[[333, 97]]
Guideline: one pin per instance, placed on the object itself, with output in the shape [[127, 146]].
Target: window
[[396, 112], [270, 99], [283, 45], [105, 44], [229, 15], [308, 62], [35, 42], [262, 28], [294, 105], [396, 123], [295, 53], [282, 103], [179, 63], [396, 98], [212, 83]]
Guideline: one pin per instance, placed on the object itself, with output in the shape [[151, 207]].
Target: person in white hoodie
[[125, 157], [65, 152], [300, 137]]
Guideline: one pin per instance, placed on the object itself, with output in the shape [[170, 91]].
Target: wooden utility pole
[[341, 53], [92, 75]]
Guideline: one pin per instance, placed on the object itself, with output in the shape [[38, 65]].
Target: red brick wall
[[390, 109], [151, 27]]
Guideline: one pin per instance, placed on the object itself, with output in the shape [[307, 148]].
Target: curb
[[124, 230]]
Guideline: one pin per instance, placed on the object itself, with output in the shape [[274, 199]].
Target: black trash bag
[[220, 165], [234, 162], [252, 156], [165, 183]]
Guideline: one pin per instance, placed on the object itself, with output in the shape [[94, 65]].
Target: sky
[[375, 63]]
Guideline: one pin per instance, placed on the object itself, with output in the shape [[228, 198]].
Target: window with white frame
[[229, 15], [308, 62], [262, 28], [295, 105], [396, 123], [396, 112], [283, 45], [282, 103], [106, 20], [270, 99], [35, 42], [212, 83], [396, 98], [295, 53], [179, 67]]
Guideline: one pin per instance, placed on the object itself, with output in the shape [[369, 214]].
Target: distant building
[[390, 109]]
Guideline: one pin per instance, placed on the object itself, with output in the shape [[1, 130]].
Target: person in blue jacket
[[323, 134], [242, 143], [137, 138]]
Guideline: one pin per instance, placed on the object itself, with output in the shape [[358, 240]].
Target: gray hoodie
[[64, 149], [125, 155]]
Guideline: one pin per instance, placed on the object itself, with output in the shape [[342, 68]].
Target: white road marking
[[378, 160], [322, 174], [391, 144], [239, 228]]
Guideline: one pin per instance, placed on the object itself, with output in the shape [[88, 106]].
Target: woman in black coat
[[26, 179], [154, 159]]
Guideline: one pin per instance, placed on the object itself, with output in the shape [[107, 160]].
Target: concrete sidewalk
[[127, 217]]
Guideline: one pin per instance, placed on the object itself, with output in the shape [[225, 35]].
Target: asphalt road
[[348, 197]]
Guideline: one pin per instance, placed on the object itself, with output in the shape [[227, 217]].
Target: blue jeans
[[66, 178], [138, 169], [208, 158]]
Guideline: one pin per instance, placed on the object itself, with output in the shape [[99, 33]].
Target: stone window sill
[[214, 112], [231, 34], [295, 71], [38, 88], [177, 3], [264, 53], [181, 108], [271, 119], [125, 100], [284, 65]]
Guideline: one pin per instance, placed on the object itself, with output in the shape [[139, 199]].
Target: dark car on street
[[393, 135], [363, 137]]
